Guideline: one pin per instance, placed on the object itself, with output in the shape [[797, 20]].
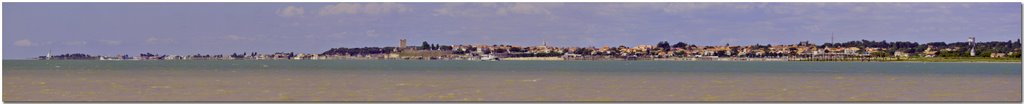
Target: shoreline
[[562, 59]]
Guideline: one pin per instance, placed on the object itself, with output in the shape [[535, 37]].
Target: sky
[[33, 29]]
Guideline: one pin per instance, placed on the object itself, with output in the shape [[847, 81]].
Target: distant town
[[863, 50]]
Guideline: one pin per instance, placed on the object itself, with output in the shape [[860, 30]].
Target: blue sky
[[31, 29]]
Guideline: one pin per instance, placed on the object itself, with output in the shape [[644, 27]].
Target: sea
[[513, 81]]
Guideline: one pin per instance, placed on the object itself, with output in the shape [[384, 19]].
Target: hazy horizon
[[218, 28]]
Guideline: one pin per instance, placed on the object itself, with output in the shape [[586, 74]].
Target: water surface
[[418, 80]]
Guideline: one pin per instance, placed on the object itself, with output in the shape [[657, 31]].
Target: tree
[[680, 45], [1016, 44], [952, 54], [581, 51], [359, 51], [664, 45], [880, 54], [679, 53], [425, 45], [984, 54]]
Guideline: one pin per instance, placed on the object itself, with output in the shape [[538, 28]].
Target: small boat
[[490, 58]]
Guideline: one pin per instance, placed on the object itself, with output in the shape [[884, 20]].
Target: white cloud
[[363, 8], [153, 40], [236, 37], [443, 11], [340, 35], [348, 8], [372, 33], [23, 43], [75, 43], [720, 7], [527, 8], [617, 9], [495, 9], [729, 40], [685, 7], [291, 11], [466, 9], [110, 42], [795, 9], [859, 9]]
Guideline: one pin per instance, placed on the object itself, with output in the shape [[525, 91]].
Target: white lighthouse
[[972, 44]]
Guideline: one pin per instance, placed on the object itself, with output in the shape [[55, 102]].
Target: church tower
[[401, 44]]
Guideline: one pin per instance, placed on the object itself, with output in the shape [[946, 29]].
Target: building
[[997, 55], [928, 52], [402, 44], [901, 54], [851, 50]]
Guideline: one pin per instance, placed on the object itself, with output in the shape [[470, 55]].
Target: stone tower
[[401, 44]]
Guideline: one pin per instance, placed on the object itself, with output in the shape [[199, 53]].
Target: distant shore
[[536, 58], [915, 59], [912, 59], [955, 60]]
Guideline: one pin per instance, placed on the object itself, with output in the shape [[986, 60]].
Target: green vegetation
[[962, 59], [425, 46], [880, 54], [424, 53], [922, 59]]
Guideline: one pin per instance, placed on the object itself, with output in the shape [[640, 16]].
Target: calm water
[[405, 80], [623, 67]]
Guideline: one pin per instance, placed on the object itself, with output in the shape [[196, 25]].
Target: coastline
[[1003, 61], [536, 58], [908, 61]]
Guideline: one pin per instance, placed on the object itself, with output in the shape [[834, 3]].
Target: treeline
[[664, 45], [956, 49], [74, 56], [943, 49], [551, 54], [428, 46], [359, 51]]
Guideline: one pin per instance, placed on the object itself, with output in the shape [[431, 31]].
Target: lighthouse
[[970, 40]]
